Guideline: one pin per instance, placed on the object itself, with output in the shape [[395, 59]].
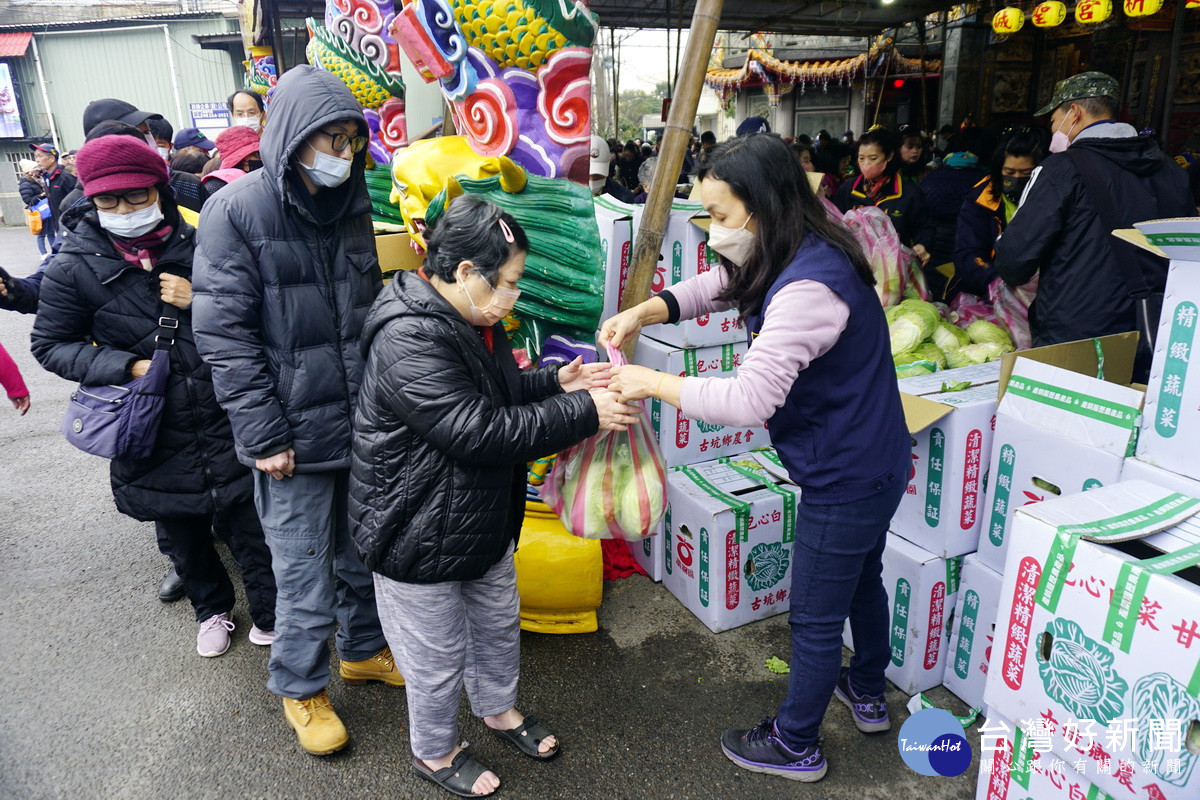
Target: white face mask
[[597, 184], [499, 307], [133, 224], [247, 122], [327, 171], [736, 244], [165, 152]]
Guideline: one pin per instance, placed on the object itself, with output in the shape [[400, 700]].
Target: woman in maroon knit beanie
[[119, 286]]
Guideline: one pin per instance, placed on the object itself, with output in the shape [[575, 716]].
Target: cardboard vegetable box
[[1099, 636], [1058, 431], [922, 590], [649, 553], [972, 637], [952, 441], [728, 542], [1170, 436], [684, 440], [615, 220], [685, 254]]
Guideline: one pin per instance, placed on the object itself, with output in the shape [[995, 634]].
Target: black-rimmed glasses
[[134, 197], [341, 141]]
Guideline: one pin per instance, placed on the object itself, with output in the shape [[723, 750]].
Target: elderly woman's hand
[[614, 415], [578, 375], [139, 368], [176, 291]]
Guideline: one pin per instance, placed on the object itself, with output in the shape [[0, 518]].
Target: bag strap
[[1088, 168], [168, 324]]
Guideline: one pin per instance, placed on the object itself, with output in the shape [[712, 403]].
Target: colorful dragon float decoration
[[515, 75]]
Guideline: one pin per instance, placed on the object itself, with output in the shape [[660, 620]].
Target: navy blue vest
[[841, 432]]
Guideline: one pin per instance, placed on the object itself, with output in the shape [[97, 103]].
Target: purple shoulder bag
[[121, 422]]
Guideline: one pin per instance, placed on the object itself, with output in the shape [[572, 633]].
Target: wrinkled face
[[44, 161]]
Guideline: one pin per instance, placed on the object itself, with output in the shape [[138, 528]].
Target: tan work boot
[[379, 667], [317, 725]]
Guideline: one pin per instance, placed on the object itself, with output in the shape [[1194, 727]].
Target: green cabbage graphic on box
[[1160, 697], [766, 566], [1078, 673]]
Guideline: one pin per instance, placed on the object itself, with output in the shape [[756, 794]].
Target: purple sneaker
[[213, 638], [761, 750], [869, 710]]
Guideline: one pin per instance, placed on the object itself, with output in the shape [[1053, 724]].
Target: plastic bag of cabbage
[[923, 342], [612, 485]]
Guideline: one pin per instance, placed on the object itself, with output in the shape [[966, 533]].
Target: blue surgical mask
[[327, 171]]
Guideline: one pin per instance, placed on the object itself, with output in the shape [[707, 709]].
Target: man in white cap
[[601, 162]]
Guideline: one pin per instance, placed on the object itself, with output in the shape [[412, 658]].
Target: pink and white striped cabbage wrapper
[[612, 485]]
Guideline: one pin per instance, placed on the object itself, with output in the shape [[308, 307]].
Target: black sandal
[[528, 737], [458, 778]]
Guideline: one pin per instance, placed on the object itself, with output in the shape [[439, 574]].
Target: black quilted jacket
[[97, 315], [283, 284], [442, 435]]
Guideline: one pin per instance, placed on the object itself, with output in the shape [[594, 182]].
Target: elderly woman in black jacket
[[444, 428], [126, 264]]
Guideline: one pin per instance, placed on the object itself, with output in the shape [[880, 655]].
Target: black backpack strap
[[1089, 166], [168, 325]]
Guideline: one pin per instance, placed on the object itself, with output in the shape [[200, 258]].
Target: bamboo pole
[[676, 137]]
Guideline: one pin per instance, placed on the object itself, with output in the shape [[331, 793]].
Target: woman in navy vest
[[819, 373]]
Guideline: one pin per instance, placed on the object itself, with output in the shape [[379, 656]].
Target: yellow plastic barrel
[[560, 577]]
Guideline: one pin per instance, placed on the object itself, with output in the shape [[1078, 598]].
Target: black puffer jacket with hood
[[98, 314], [283, 284], [442, 435], [1082, 291]]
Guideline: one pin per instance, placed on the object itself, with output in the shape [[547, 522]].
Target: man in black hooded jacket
[[285, 273], [1059, 228]]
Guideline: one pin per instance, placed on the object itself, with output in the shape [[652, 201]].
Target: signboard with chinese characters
[[211, 118], [1170, 434]]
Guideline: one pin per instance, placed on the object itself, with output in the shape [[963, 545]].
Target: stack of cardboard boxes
[[724, 547], [1093, 685]]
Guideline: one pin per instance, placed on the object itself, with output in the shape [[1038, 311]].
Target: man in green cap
[[1104, 177]]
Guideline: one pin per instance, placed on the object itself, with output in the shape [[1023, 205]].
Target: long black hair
[[1027, 140], [471, 230], [762, 172]]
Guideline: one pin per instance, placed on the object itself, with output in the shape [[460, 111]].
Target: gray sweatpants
[[445, 634]]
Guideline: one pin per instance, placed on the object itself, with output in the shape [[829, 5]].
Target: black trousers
[[200, 568]]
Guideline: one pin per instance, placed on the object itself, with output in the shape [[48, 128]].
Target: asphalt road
[[105, 697]]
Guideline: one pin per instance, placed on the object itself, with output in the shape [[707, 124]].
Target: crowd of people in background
[[953, 194]]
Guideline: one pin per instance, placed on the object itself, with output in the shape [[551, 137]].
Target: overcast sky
[[644, 57]]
